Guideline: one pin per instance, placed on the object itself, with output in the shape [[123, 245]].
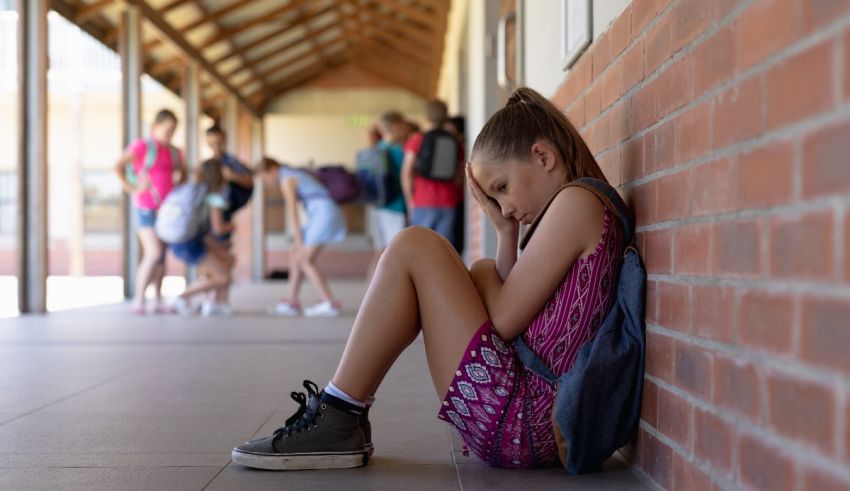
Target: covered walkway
[[96, 400]]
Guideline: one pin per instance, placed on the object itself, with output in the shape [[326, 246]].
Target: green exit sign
[[358, 121]]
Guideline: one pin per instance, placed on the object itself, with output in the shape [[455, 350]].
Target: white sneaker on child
[[182, 306], [209, 309], [322, 309], [285, 309]]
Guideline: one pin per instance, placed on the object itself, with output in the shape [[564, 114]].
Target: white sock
[[339, 394]]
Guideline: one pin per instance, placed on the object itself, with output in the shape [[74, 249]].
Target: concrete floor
[[96, 399]]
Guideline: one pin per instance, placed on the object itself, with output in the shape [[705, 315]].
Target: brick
[[676, 86], [621, 121], [673, 306], [722, 8], [713, 312], [592, 102], [578, 79], [659, 44], [688, 476], [817, 15], [645, 106], [712, 188], [823, 150], [601, 55], [693, 369], [651, 301], [846, 246], [692, 250], [820, 480], [621, 33], [633, 65], [649, 403], [847, 66], [736, 386], [675, 417], [609, 162], [644, 12], [800, 87], [757, 39], [612, 84], [736, 248], [738, 112], [692, 18], [802, 410], [657, 251], [766, 321], [717, 59], [714, 440], [660, 356], [765, 176], [632, 159], [764, 467], [825, 333], [657, 460], [693, 132], [575, 112], [659, 150], [601, 139], [801, 246], [643, 200], [673, 196], [847, 432]]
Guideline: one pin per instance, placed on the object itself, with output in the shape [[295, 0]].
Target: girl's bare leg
[[296, 277], [420, 283], [213, 273], [152, 250], [313, 273]]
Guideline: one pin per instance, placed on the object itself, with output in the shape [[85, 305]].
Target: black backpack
[[438, 156]]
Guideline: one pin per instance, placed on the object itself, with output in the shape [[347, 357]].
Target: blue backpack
[[380, 183], [598, 401]]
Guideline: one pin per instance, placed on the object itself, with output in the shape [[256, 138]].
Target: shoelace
[[305, 416]]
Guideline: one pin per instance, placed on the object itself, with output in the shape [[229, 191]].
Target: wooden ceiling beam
[[260, 19], [233, 46], [165, 28], [85, 12], [266, 39], [303, 76], [267, 73]]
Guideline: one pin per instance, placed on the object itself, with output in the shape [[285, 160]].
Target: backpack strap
[[605, 193], [531, 361], [150, 159]]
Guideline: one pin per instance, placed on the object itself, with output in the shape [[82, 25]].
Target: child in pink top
[[148, 170]]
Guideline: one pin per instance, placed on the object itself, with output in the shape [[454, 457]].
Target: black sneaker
[[367, 431], [325, 433]]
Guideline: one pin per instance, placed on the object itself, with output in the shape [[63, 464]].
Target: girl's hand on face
[[490, 206]]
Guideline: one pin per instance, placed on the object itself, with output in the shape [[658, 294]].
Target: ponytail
[[526, 118]]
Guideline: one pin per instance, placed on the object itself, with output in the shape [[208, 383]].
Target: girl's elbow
[[506, 328]]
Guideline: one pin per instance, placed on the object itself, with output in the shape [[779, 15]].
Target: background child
[[148, 171], [204, 251], [554, 296], [325, 225]]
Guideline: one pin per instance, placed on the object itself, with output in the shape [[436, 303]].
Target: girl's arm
[[121, 169], [290, 197], [182, 171], [219, 226], [571, 227], [407, 168]]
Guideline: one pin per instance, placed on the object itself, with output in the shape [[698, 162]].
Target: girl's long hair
[[209, 173], [526, 118]]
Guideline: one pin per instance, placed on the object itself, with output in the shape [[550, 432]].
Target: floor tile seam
[[140, 366]]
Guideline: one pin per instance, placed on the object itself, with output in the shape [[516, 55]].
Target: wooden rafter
[[233, 46], [267, 73], [85, 12], [156, 19]]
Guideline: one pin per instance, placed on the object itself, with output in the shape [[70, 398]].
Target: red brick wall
[[727, 125]]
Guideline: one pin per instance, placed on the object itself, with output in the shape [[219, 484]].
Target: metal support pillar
[[130, 50], [32, 156], [191, 99], [258, 205]]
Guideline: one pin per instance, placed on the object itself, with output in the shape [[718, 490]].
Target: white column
[[191, 99], [131, 121], [32, 156], [258, 205]]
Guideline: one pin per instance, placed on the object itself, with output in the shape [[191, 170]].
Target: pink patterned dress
[[502, 410]]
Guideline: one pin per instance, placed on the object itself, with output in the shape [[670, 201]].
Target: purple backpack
[[340, 182]]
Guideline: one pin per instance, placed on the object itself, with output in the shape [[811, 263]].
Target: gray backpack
[[182, 215]]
